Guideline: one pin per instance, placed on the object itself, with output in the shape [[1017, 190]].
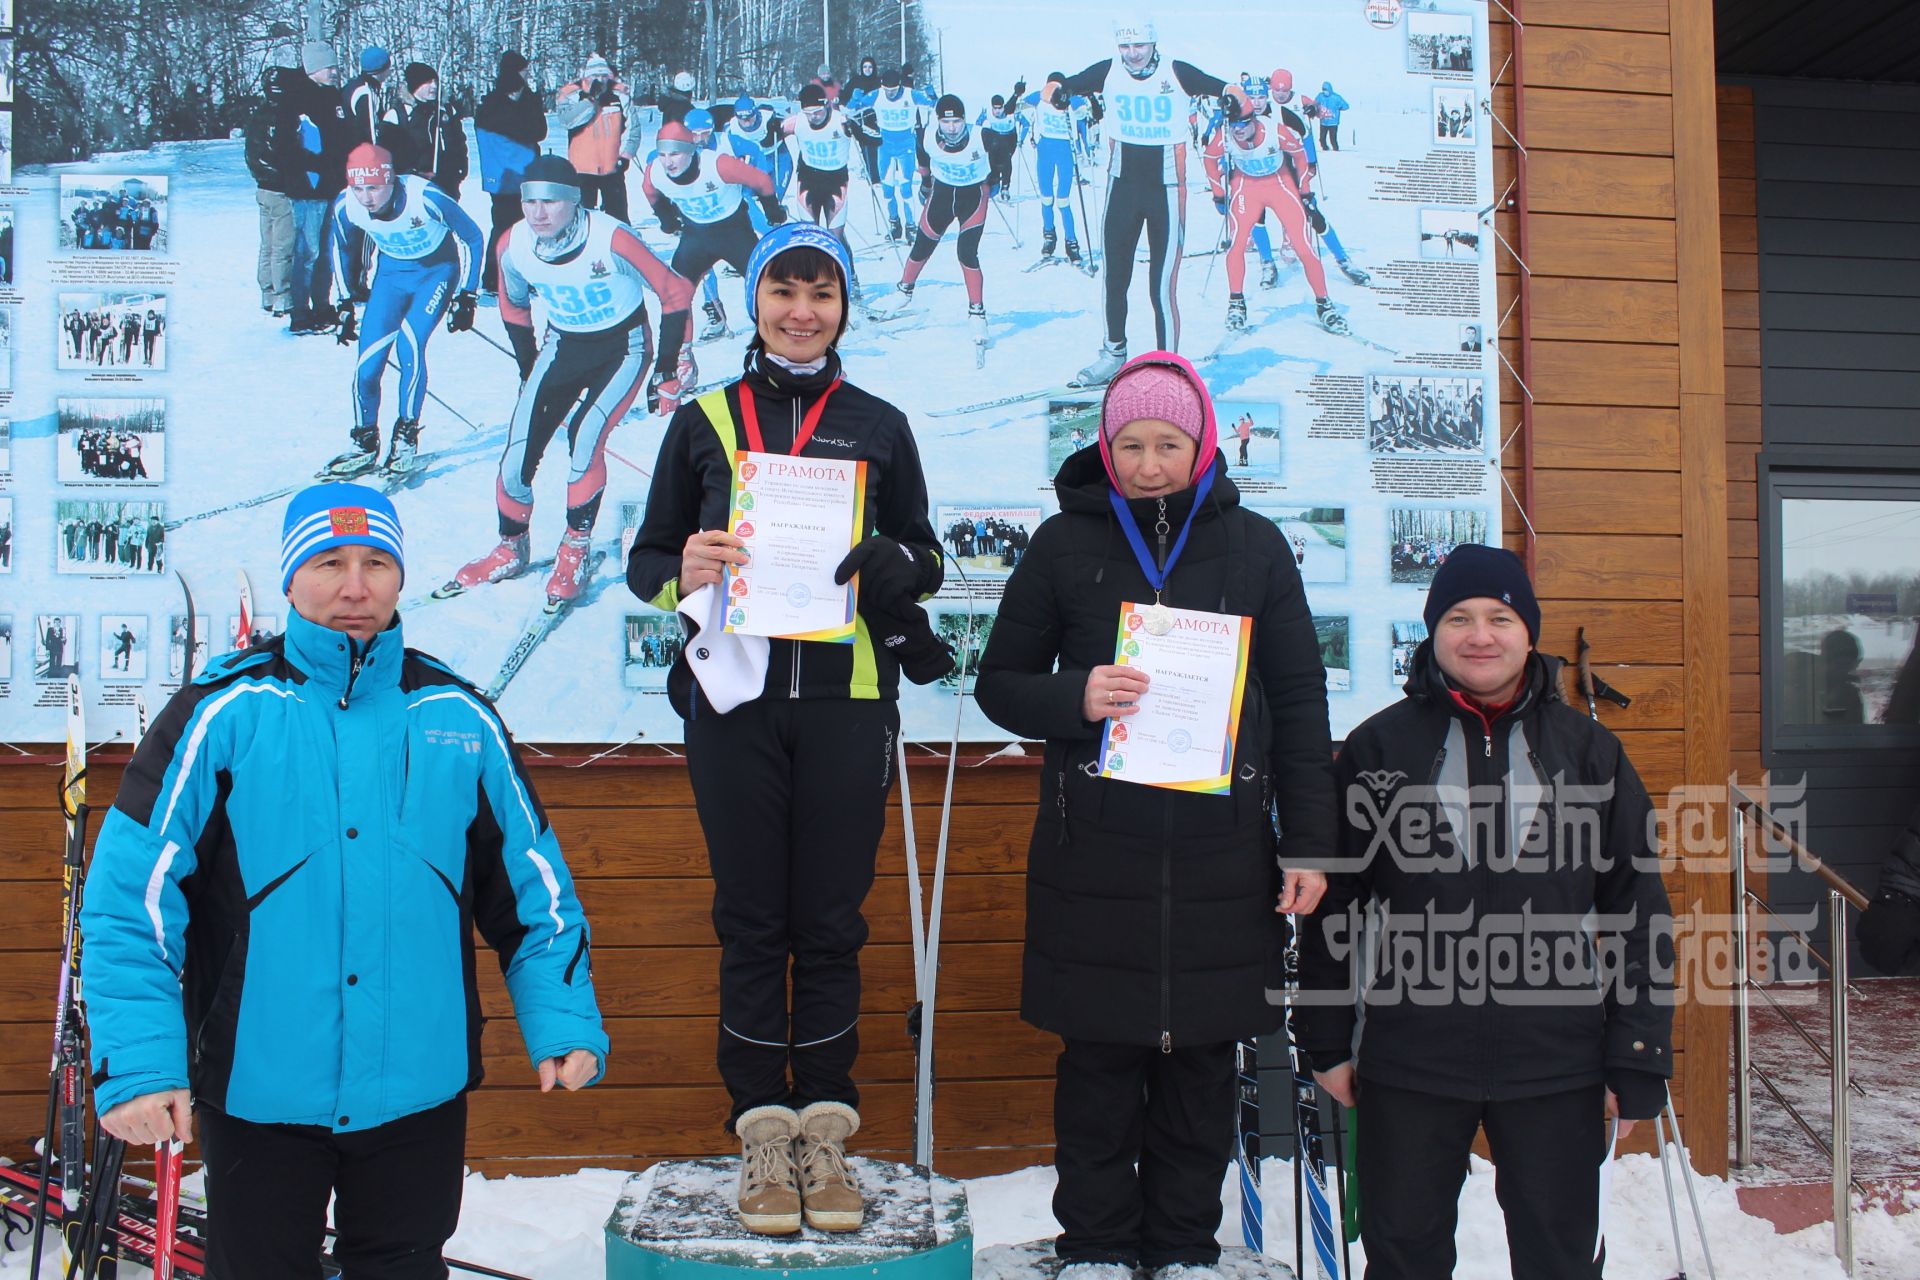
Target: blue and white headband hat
[[793, 235], [337, 515]]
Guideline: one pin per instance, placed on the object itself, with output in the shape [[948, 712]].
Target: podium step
[[1034, 1260], [676, 1221]]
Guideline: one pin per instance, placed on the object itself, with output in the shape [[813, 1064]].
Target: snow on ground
[[550, 1228]]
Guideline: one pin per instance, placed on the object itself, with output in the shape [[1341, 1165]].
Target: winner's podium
[[676, 1221]]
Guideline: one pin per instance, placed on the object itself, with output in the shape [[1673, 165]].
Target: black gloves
[[1641, 1093], [520, 337], [460, 315], [1060, 98], [669, 216], [926, 187], [1890, 933], [903, 631], [775, 211], [622, 164], [349, 329], [892, 574]]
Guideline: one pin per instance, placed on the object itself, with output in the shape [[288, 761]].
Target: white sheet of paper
[[1606, 1182], [798, 518], [1183, 734]]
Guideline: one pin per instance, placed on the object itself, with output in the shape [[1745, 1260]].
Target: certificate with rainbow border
[[1182, 737], [798, 518]]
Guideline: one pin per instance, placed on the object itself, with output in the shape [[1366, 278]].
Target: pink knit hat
[[1152, 391], [1160, 384]]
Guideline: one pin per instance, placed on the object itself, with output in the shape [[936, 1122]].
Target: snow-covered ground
[[550, 1228]]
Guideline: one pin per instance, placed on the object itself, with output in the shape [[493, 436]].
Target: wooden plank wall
[[1628, 548], [1740, 299]]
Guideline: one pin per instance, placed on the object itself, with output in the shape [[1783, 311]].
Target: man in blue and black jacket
[[280, 919]]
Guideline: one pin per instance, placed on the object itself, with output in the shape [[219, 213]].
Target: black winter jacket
[[692, 485], [1434, 1020], [435, 143], [523, 119], [1150, 912]]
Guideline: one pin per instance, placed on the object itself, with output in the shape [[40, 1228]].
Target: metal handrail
[[1840, 895]]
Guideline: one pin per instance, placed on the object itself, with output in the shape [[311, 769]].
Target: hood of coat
[[1209, 430], [1539, 682]]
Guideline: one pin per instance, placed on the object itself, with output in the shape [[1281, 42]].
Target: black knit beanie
[[1473, 571]]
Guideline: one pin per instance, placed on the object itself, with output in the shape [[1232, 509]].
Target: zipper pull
[[1488, 739], [1166, 1042], [1060, 803]]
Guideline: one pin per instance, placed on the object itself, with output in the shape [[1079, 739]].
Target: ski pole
[[166, 1218], [1340, 1162], [1673, 1211], [1007, 223], [1686, 1180]]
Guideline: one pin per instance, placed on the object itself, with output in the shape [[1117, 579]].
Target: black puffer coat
[[1150, 912], [1444, 1013]]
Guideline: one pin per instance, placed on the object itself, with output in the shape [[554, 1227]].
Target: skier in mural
[[1257, 164], [600, 142], [898, 112], [1059, 134], [591, 272], [953, 166], [508, 129], [1002, 129], [702, 197], [1147, 97], [822, 146], [436, 143], [866, 131], [754, 134], [791, 764], [1330, 105], [1277, 88], [428, 259], [365, 97]]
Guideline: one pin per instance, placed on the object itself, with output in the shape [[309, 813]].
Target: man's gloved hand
[[1890, 933], [926, 187], [623, 164], [460, 315], [348, 330], [892, 574]]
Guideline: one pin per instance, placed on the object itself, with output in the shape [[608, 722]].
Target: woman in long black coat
[[1154, 929]]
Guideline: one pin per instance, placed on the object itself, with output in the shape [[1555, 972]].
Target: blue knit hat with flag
[[794, 235], [337, 515]]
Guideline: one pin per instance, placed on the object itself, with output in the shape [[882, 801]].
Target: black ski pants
[[1137, 204], [605, 190], [1412, 1160], [703, 244], [1118, 1106], [792, 797], [506, 211], [396, 1192]]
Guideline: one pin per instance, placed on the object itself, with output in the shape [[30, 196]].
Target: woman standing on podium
[[1154, 916], [790, 743]]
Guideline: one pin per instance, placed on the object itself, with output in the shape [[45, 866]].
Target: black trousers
[[506, 212], [1118, 1106], [608, 190], [1144, 204], [396, 1195], [1412, 1160], [792, 797]]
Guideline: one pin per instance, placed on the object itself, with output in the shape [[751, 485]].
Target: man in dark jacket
[[1890, 930], [264, 152], [1523, 941], [509, 127], [434, 141], [314, 162]]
